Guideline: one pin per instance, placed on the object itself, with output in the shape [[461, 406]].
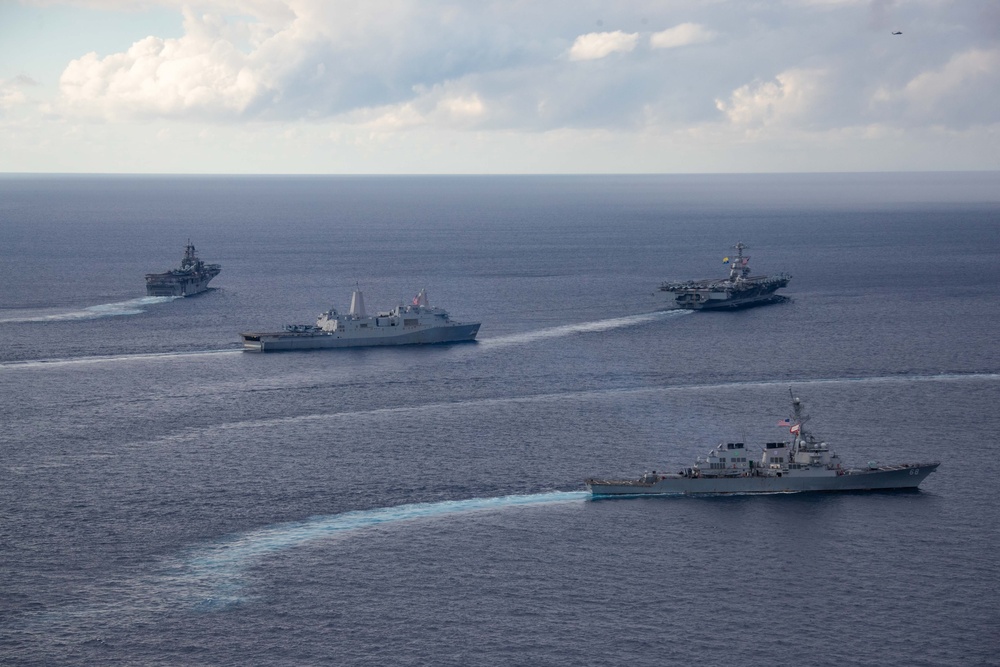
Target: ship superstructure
[[417, 323], [739, 290], [803, 464], [192, 277]]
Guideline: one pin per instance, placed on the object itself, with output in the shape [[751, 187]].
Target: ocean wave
[[584, 395], [212, 572], [209, 576], [117, 309], [217, 567]]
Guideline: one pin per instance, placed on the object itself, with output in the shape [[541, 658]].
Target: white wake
[[579, 328], [111, 358], [117, 309], [214, 571]]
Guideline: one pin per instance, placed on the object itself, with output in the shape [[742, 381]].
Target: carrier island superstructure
[[739, 290], [417, 323], [191, 278], [804, 464]]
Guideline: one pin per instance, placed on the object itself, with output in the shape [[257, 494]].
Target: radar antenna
[[799, 418], [739, 268]]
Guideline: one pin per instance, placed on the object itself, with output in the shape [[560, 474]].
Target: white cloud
[[466, 107], [595, 45], [394, 118], [12, 92], [394, 71], [197, 73], [959, 93], [443, 106], [964, 69], [784, 100], [681, 35]]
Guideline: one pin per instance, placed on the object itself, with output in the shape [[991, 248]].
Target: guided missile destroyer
[[739, 290], [414, 324], [191, 278], [804, 464]]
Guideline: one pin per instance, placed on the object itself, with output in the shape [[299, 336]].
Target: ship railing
[[620, 482], [893, 466]]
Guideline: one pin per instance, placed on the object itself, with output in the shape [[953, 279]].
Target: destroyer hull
[[907, 476], [284, 341]]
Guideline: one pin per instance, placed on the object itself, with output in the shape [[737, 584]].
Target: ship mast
[[190, 258], [738, 269], [799, 419], [358, 304]]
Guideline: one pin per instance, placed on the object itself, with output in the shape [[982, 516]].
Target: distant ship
[[193, 277], [804, 464], [739, 290], [414, 324]]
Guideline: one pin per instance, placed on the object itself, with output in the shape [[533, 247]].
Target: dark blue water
[[167, 499]]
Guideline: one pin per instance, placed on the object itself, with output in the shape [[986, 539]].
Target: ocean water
[[166, 499]]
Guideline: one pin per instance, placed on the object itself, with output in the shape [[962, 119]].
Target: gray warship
[[804, 464], [193, 276], [415, 324], [739, 290]]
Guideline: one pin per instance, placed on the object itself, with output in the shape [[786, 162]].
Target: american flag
[[785, 422]]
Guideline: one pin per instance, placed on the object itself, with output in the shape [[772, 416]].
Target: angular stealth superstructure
[[804, 464]]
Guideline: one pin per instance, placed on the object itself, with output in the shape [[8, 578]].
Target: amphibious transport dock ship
[[739, 290], [193, 277], [415, 324], [804, 464]]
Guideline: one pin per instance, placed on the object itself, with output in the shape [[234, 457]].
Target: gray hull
[[191, 278], [736, 302], [178, 286], [908, 476], [312, 340], [712, 297]]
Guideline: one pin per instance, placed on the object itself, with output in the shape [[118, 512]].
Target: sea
[[169, 499]]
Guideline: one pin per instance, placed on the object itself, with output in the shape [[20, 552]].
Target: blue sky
[[436, 86]]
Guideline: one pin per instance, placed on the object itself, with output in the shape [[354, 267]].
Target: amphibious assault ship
[[804, 464], [739, 290], [414, 324], [191, 278]]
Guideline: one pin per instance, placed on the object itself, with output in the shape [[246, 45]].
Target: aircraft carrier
[[739, 290]]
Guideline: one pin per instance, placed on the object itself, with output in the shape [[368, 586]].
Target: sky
[[498, 87]]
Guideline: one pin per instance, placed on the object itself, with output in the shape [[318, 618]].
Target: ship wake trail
[[460, 407], [210, 577], [583, 327], [35, 364], [117, 309]]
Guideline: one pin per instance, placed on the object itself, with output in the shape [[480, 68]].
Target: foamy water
[[580, 328], [116, 309], [37, 364], [215, 569]]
